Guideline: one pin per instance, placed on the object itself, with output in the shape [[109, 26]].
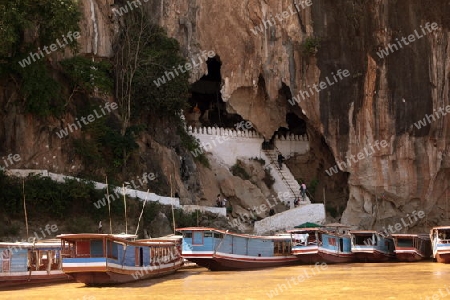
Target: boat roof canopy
[[268, 237], [198, 229], [96, 235], [30, 245], [303, 230]]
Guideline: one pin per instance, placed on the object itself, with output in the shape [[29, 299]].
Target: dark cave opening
[[206, 105]]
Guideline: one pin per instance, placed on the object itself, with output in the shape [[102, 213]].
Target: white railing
[[223, 132], [141, 195]]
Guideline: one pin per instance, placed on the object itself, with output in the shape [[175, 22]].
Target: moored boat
[[412, 247], [336, 247], [440, 241], [371, 246], [100, 259], [305, 244], [38, 262], [220, 250]]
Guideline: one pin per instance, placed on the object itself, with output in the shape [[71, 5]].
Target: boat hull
[[335, 258], [373, 256], [443, 257], [36, 277], [117, 275], [307, 254], [409, 255], [309, 258], [229, 263], [202, 262], [112, 278]]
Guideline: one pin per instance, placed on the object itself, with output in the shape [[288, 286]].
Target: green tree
[[26, 26], [88, 76], [143, 53]]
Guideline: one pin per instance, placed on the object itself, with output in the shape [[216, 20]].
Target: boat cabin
[[23, 257], [113, 249], [441, 234], [200, 240]]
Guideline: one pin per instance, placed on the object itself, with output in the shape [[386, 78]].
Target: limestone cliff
[[380, 100], [267, 59]]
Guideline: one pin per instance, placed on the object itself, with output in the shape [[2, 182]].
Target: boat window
[[218, 235], [55, 255], [83, 248], [287, 248], [444, 235], [332, 241], [364, 240], [113, 250], [208, 234], [43, 260], [96, 248], [187, 235], [405, 242], [136, 256], [281, 248], [197, 238]]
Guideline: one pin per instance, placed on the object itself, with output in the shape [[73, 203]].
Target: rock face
[[380, 99], [160, 226], [267, 59]]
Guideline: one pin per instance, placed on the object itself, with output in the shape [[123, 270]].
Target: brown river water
[[425, 280]]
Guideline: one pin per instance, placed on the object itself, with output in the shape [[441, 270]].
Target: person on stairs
[[218, 201], [280, 160], [303, 190]]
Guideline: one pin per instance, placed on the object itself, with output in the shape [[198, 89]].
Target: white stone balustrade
[[244, 143], [292, 144], [228, 144]]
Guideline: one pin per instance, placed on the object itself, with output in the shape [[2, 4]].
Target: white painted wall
[[288, 219], [228, 144], [221, 211], [141, 195], [292, 144]]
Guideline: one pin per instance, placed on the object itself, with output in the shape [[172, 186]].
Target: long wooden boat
[[39, 262], [412, 247], [371, 246], [101, 259], [305, 244], [440, 241], [336, 247], [220, 250]]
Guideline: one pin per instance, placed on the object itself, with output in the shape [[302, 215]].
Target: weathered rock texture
[[380, 100]]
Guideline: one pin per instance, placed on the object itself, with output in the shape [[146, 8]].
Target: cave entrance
[[296, 126], [206, 105]]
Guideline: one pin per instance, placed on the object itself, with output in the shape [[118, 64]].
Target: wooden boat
[[412, 247], [371, 246], [440, 241], [100, 259], [336, 247], [220, 250], [38, 262], [305, 244]]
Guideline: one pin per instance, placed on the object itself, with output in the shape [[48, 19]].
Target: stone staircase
[[283, 178]]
